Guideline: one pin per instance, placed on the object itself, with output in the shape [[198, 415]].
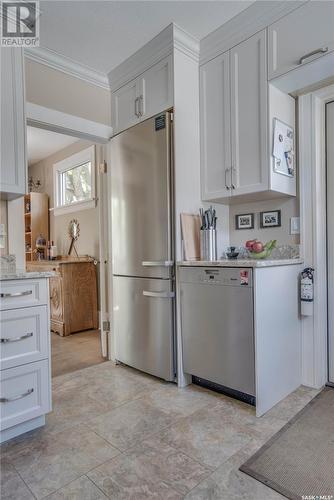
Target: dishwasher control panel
[[229, 276]]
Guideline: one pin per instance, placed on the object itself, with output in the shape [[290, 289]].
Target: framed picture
[[244, 221], [270, 219]]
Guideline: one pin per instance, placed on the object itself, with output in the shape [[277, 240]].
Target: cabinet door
[[215, 129], [249, 109], [156, 89], [56, 298], [13, 127], [125, 106], [307, 31]]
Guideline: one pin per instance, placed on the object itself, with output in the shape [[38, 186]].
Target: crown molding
[[171, 38], [256, 17], [68, 66]]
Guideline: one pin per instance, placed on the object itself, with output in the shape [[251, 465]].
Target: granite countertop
[[241, 263], [23, 275]]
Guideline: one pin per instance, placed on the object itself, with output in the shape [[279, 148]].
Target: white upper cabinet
[[13, 166], [215, 128], [143, 97], [156, 86], [234, 122], [249, 116], [125, 106], [299, 38]]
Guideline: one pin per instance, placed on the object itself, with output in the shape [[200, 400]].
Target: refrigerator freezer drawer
[[143, 324]]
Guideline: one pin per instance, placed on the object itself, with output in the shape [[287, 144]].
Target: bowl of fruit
[[258, 250]]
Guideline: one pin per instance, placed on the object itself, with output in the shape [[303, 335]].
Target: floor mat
[[298, 461]]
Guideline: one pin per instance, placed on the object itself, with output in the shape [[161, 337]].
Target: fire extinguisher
[[306, 291]]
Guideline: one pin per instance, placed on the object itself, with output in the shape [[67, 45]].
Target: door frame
[[312, 183], [63, 123]]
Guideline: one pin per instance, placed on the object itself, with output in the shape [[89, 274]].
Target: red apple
[[257, 247], [249, 244]]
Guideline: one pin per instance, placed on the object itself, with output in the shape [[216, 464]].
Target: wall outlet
[[295, 225]]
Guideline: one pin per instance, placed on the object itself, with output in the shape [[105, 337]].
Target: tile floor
[[75, 352], [117, 433]]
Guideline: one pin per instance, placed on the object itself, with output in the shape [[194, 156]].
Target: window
[[74, 182]]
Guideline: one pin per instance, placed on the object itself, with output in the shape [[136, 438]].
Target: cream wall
[[289, 208], [88, 242], [56, 90]]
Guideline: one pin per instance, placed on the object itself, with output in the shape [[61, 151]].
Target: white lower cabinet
[[23, 338], [24, 393], [145, 96], [25, 379]]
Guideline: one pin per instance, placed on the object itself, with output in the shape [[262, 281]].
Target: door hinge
[[106, 326], [103, 168]]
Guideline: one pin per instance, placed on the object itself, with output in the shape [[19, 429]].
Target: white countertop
[[241, 263], [23, 275]]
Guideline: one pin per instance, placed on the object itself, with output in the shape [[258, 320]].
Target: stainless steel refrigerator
[[143, 247]]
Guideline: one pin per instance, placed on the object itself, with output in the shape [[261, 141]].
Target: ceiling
[[102, 34], [43, 143]]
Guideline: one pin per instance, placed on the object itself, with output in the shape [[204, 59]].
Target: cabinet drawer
[[23, 293], [24, 336], [24, 393]]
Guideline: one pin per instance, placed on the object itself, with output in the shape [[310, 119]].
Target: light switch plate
[[295, 225]]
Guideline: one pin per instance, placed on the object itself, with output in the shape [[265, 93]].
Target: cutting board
[[190, 227]]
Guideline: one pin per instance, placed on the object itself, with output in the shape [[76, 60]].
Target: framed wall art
[[270, 219], [244, 221]]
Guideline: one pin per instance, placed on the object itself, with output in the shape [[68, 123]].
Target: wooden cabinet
[[143, 97], [13, 168], [300, 37], [36, 222], [235, 125], [73, 294]]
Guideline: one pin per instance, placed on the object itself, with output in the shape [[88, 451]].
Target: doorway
[[62, 179], [330, 234]]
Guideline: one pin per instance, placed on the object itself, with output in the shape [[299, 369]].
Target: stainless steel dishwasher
[[217, 328]]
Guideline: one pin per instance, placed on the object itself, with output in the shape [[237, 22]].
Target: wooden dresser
[[73, 294]]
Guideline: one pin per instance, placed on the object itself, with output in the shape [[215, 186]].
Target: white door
[[330, 233], [215, 129], [125, 106], [13, 126], [300, 37], [249, 115], [156, 89]]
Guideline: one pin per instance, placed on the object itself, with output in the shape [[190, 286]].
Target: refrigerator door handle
[[159, 295], [158, 263]]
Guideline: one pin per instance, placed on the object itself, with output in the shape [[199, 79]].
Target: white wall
[[56, 90], [88, 242], [289, 208], [187, 150]]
